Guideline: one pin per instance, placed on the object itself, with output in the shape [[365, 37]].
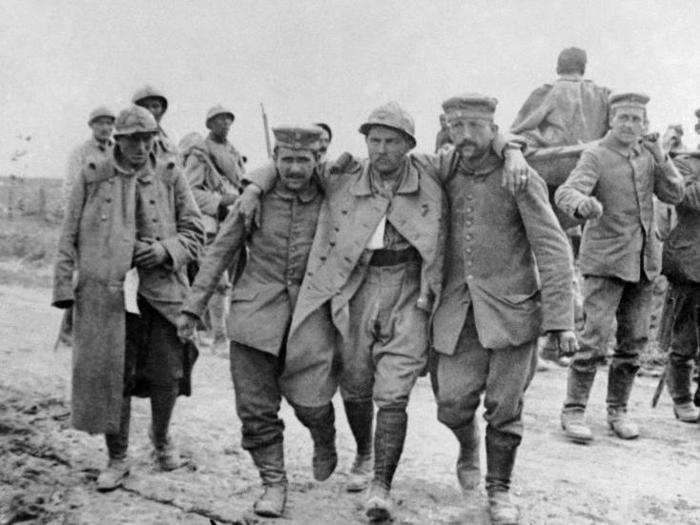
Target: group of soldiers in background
[[360, 275]]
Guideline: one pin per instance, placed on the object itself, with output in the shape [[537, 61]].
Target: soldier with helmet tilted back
[[263, 300], [612, 188], [131, 227], [155, 101], [214, 169]]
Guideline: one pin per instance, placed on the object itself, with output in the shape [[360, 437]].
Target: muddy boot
[[113, 476], [501, 449], [117, 444], [321, 424], [165, 454], [578, 388], [468, 469], [680, 369], [620, 381], [270, 463], [573, 423], [360, 415], [389, 439]]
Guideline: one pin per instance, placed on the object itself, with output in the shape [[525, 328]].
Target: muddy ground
[[48, 471]]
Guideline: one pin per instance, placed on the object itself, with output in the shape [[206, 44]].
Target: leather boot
[[573, 423], [620, 381], [678, 375], [360, 415], [270, 463], [117, 444], [468, 468], [165, 454], [578, 389], [321, 424], [389, 439], [501, 449]]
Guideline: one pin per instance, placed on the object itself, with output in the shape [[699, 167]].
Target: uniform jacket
[[348, 217], [91, 150], [570, 111], [506, 256], [264, 297], [681, 255], [622, 242], [212, 170], [107, 209]]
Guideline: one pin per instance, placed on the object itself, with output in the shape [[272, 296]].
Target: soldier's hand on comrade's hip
[[566, 341], [516, 170], [590, 208], [249, 206], [149, 253], [185, 324], [653, 144]]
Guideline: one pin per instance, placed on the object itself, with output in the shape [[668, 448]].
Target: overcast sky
[[326, 60]]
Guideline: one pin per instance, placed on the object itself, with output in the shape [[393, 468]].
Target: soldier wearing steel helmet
[[155, 101], [214, 169], [131, 227], [612, 188], [95, 149]]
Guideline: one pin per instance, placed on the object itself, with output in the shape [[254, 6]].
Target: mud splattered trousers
[[605, 299], [503, 375]]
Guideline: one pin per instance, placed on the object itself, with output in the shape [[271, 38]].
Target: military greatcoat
[[107, 207]]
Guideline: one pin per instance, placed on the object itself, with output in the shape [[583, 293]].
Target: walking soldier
[[492, 310], [263, 300], [130, 229], [612, 188]]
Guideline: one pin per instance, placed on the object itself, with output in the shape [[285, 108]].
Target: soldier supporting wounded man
[[507, 279], [131, 227], [612, 188], [262, 301]]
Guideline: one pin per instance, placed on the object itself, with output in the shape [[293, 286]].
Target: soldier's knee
[[456, 413]]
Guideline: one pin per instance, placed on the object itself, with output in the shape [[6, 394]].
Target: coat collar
[[409, 180], [144, 175], [483, 166], [610, 143], [102, 146]]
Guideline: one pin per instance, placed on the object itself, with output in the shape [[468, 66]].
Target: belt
[[392, 257]]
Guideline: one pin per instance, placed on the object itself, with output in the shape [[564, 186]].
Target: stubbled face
[[295, 167], [471, 135], [324, 142], [387, 148], [135, 148], [627, 124], [154, 105], [102, 128], [220, 125]]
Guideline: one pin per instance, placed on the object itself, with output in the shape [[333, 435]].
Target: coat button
[[104, 217]]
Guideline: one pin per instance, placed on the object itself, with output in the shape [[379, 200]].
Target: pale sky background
[[311, 60]]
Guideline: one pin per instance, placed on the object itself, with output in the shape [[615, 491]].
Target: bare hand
[[249, 206], [149, 253], [185, 324], [227, 199], [516, 171], [567, 343], [653, 144], [590, 208]]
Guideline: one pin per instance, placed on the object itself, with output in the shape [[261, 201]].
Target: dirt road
[[47, 470]]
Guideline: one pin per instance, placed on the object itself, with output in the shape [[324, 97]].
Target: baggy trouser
[[684, 342], [607, 298], [503, 375]]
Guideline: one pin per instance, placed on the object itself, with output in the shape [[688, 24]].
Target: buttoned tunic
[[622, 242], [92, 150], [506, 257], [108, 208], [264, 297]]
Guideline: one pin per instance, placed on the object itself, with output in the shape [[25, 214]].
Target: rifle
[[266, 130], [674, 300]]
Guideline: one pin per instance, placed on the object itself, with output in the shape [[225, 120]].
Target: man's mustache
[[466, 142]]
